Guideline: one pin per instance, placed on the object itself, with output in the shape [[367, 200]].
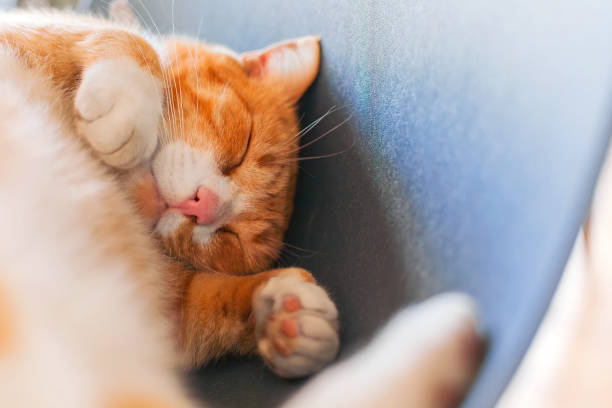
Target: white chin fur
[[202, 234], [169, 223]]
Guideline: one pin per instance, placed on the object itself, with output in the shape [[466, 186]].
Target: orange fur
[[196, 77]]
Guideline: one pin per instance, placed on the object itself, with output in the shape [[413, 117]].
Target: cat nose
[[204, 206]]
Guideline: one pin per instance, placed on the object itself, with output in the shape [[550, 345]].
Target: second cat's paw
[[119, 108], [296, 325]]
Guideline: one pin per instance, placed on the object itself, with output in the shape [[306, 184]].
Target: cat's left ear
[[290, 65]]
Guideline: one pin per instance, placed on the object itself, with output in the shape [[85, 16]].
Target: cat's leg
[[426, 357], [281, 313]]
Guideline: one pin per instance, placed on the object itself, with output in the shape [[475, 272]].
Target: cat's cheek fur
[[142, 192], [119, 107]]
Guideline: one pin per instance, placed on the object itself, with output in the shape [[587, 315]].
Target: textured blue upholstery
[[477, 131]]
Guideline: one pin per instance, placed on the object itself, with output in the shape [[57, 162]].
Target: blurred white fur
[[425, 357], [85, 329]]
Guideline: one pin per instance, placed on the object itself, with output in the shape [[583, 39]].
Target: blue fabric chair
[[476, 132]]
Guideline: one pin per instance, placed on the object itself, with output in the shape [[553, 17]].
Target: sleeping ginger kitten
[[146, 184]]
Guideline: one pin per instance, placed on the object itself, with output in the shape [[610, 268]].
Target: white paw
[[296, 325], [119, 107], [447, 347]]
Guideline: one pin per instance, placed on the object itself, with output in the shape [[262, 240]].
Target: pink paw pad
[[291, 304], [289, 328]]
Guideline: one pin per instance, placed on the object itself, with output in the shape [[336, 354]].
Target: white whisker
[[324, 134]]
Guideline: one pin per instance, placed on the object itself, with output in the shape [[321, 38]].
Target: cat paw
[[296, 325], [455, 349], [119, 108]]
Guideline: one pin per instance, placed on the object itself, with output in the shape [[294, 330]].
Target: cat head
[[226, 166]]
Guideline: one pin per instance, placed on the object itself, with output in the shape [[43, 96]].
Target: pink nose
[[204, 206]]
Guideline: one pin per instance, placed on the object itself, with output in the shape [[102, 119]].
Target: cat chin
[[169, 223], [172, 220]]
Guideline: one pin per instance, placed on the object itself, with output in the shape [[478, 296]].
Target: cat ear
[[291, 65]]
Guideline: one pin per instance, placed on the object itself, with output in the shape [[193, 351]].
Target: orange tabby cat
[[109, 134], [220, 129]]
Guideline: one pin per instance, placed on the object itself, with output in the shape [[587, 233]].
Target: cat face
[[224, 175]]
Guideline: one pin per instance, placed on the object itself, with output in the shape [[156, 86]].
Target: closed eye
[[230, 233], [231, 169]]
